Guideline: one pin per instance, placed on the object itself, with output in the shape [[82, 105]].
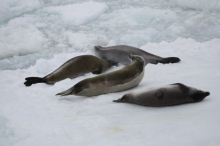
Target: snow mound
[[137, 25], [129, 22], [21, 40], [77, 14], [30, 33], [82, 41], [198, 4]]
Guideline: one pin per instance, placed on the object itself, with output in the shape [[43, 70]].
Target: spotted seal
[[118, 54], [173, 94], [115, 81], [73, 68]]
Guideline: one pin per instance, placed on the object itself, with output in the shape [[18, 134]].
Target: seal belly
[[97, 90]]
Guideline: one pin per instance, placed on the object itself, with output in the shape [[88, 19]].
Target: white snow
[[81, 41], [23, 36], [37, 117], [123, 22], [13, 8], [47, 33], [198, 4], [77, 14], [21, 40]]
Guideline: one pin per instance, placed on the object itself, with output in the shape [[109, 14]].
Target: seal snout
[[200, 95], [123, 99], [207, 93], [131, 57], [119, 100], [97, 48]]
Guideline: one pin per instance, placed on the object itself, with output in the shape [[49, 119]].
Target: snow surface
[[22, 37], [21, 40], [13, 8], [42, 35], [70, 13], [213, 5]]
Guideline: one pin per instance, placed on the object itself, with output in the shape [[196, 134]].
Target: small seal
[[118, 54], [115, 81], [168, 95], [73, 68]]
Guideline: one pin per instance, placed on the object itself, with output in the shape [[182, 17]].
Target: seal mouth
[[119, 100], [123, 99]]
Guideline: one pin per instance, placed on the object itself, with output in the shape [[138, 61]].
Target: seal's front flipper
[[34, 80], [112, 63], [169, 60], [98, 70]]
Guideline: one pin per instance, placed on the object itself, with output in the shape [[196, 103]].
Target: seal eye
[[159, 94]]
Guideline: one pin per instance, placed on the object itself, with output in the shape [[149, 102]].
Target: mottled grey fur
[[118, 54], [73, 68], [115, 81], [173, 94]]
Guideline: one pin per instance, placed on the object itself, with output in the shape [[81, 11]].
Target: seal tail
[[65, 93], [33, 80], [169, 60]]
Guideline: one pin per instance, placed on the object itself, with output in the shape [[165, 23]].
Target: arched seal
[[115, 81], [73, 68], [173, 94], [117, 54]]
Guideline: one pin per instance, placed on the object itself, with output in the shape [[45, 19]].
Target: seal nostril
[[207, 93]]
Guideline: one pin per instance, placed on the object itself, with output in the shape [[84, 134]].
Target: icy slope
[[35, 116], [58, 27], [12, 8], [24, 35], [212, 5]]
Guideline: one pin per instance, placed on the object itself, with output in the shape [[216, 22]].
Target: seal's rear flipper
[[33, 80], [169, 60]]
